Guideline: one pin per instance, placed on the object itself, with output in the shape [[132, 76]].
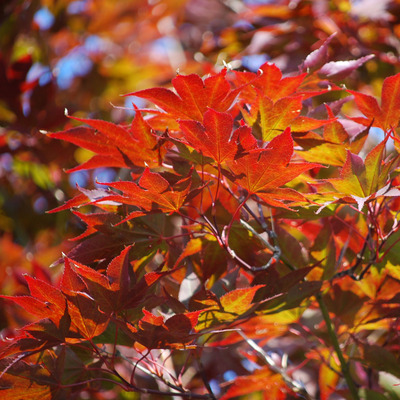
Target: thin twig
[[180, 392], [203, 376], [275, 249], [150, 373], [294, 385], [360, 256], [260, 237]]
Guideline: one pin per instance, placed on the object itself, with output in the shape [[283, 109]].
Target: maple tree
[[248, 244]]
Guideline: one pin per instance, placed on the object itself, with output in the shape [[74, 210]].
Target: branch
[[351, 271], [332, 335], [203, 376], [180, 392], [150, 373], [294, 385], [275, 249]]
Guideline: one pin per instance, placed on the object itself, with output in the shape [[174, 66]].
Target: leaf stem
[[359, 258], [332, 335], [229, 226], [203, 376]]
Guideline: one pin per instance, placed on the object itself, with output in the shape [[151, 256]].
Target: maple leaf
[[100, 247], [24, 381], [50, 305], [30, 304], [269, 81], [86, 318], [97, 284], [204, 299], [263, 171], [115, 145], [262, 380], [37, 336], [118, 288], [193, 97], [49, 294], [175, 332], [45, 301], [387, 115], [328, 378], [153, 193], [330, 148], [365, 180], [97, 222], [318, 57], [275, 101], [285, 112], [230, 306], [214, 138], [21, 343], [88, 196]]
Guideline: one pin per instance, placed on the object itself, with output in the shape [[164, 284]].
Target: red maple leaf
[[175, 332], [114, 145], [192, 98], [153, 193], [214, 138], [264, 170], [387, 115]]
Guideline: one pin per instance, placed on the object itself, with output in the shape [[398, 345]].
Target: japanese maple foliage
[[244, 236]]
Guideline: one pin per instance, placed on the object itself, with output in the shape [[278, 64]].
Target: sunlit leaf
[[231, 306], [263, 171]]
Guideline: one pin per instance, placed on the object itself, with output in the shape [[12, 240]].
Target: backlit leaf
[[17, 387], [387, 116], [175, 332], [85, 315], [391, 101], [113, 144], [364, 180], [154, 193], [262, 380], [193, 96], [263, 171], [232, 306], [214, 138], [328, 377]]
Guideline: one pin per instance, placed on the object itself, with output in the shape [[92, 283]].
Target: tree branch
[[332, 335]]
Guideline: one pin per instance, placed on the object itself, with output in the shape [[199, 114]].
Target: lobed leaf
[[114, 145], [231, 306], [214, 138], [263, 171], [364, 180], [193, 96], [261, 380]]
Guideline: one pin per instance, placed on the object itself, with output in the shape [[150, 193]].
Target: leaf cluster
[[252, 231]]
